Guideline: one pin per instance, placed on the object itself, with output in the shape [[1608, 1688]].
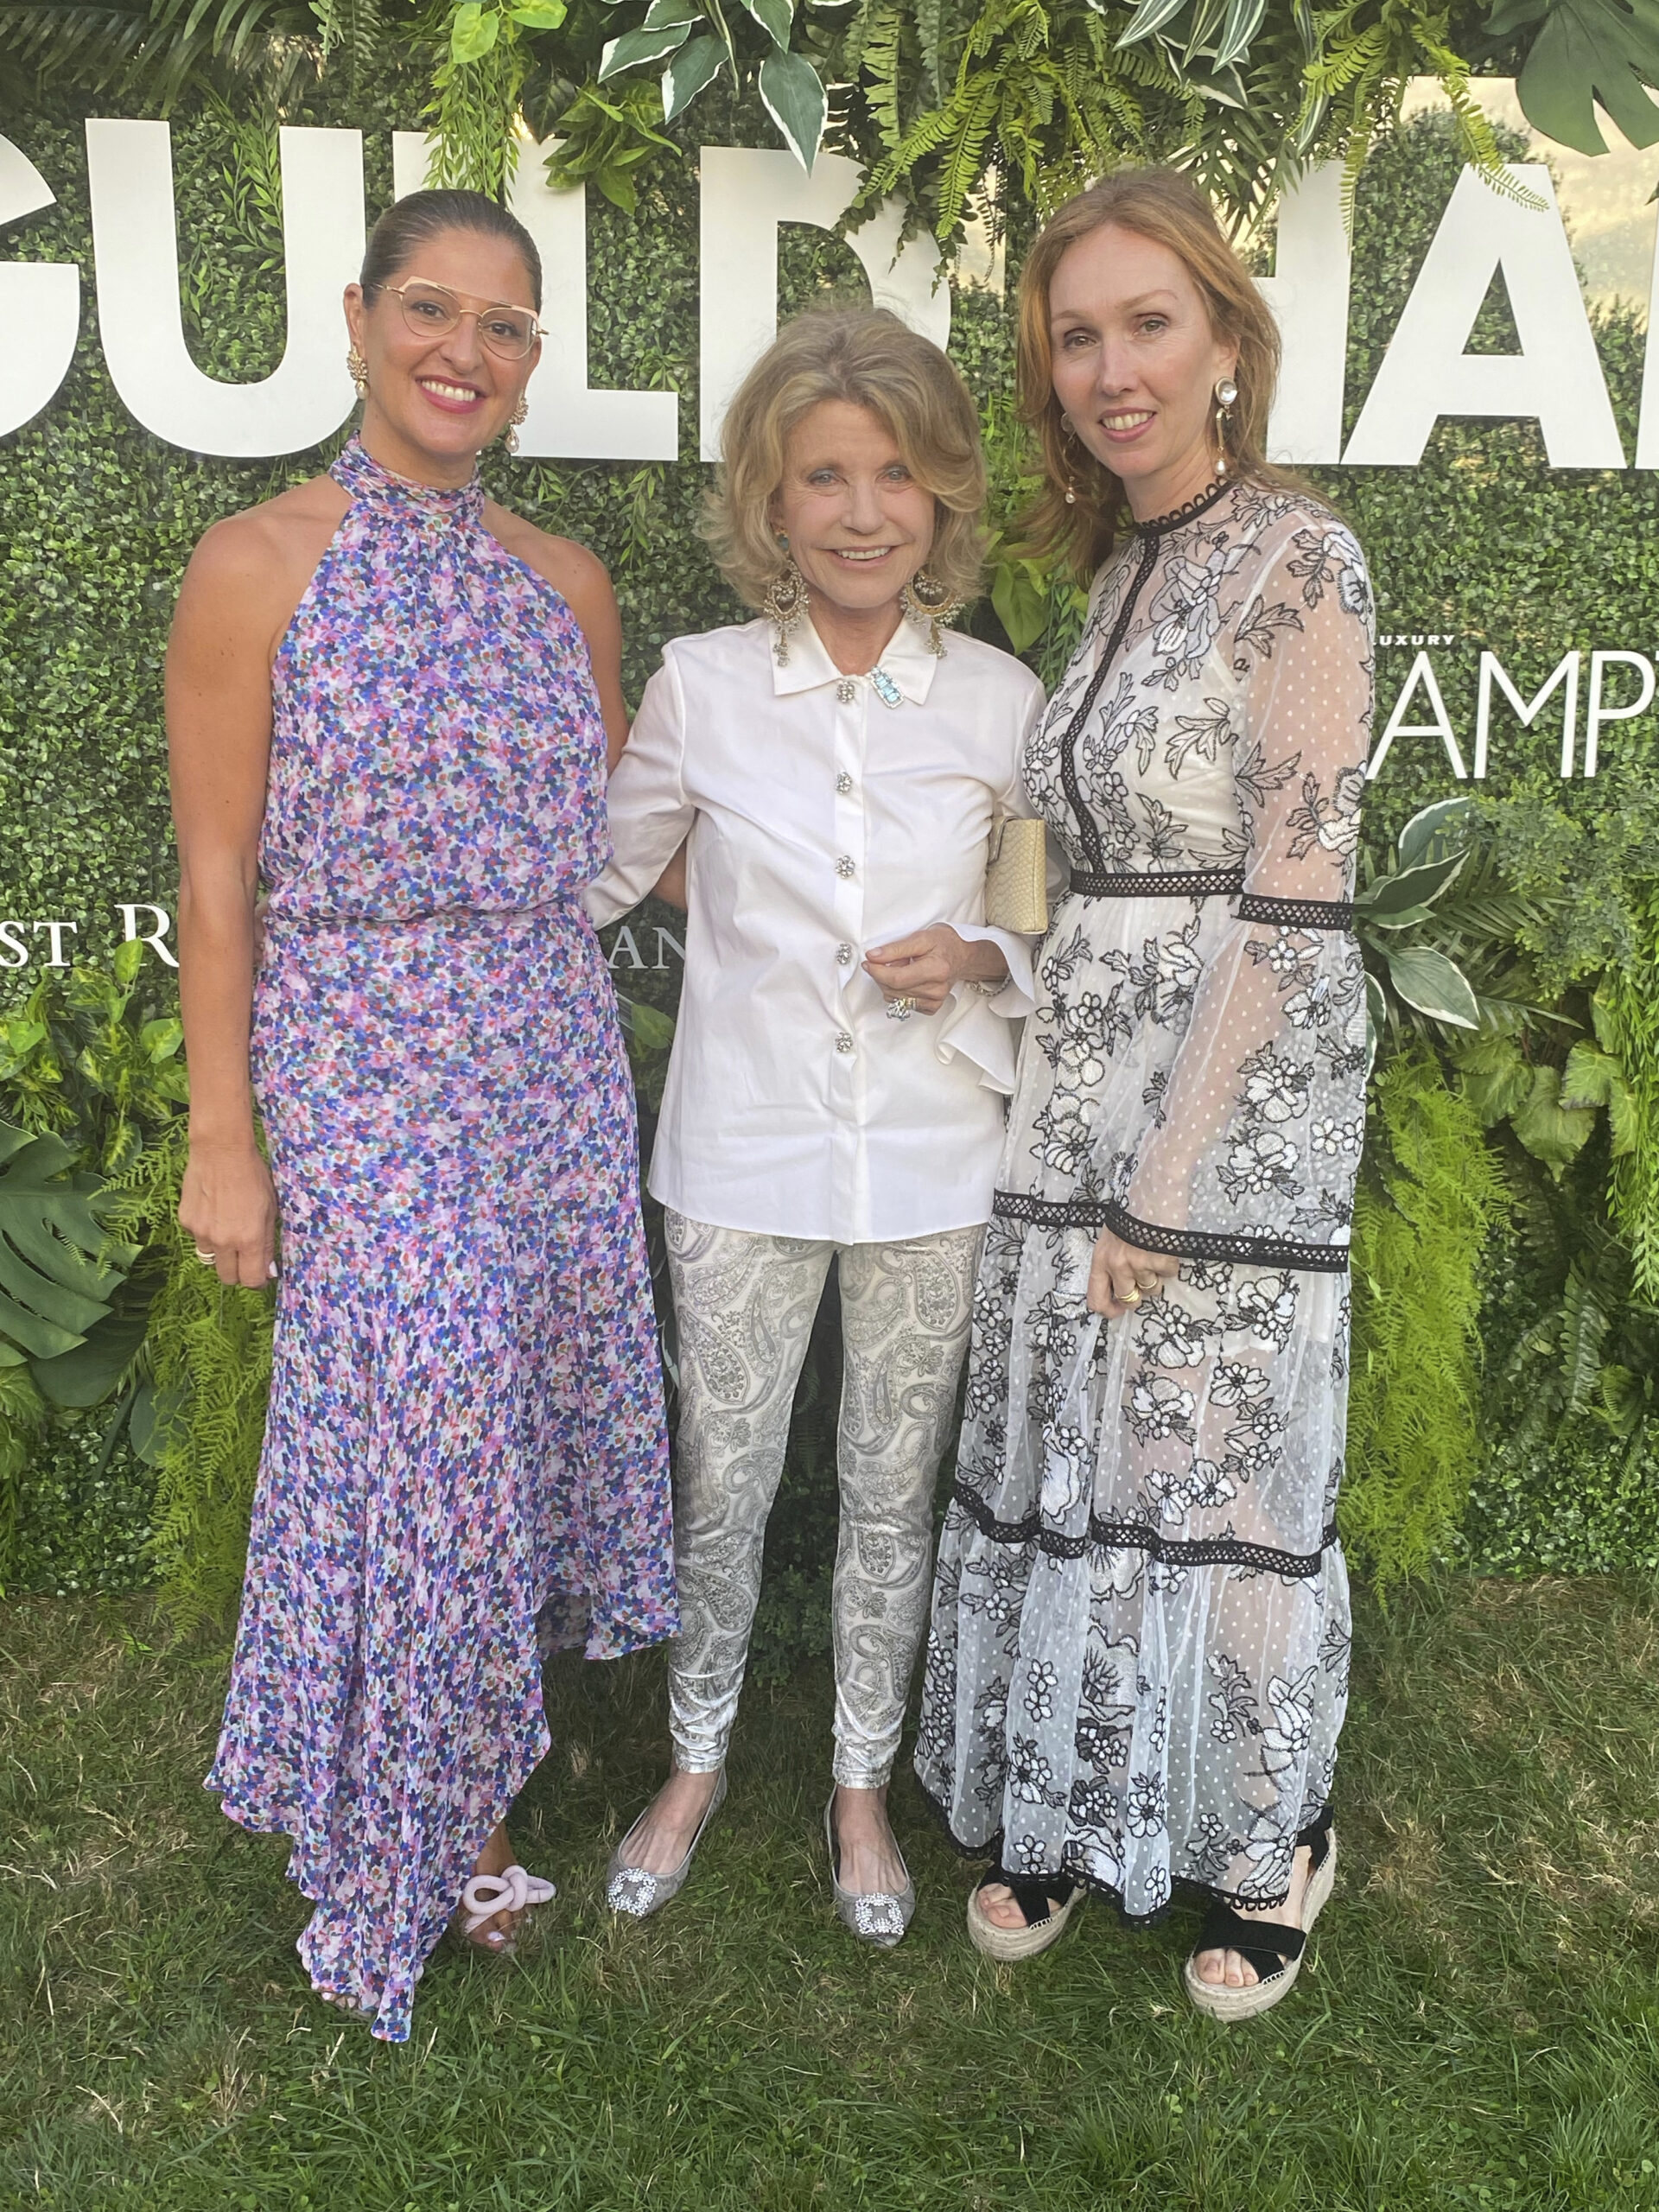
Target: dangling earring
[[1071, 488], [517, 416], [785, 604], [357, 369], [1226, 399], [925, 598]]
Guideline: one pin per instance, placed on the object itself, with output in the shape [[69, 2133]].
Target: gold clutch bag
[[1016, 882]]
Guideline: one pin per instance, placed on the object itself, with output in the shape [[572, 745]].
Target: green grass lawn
[[1477, 2026]]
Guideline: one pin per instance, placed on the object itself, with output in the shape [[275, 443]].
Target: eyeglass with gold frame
[[433, 311]]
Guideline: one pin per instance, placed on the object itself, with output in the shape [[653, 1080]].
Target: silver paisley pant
[[745, 1304]]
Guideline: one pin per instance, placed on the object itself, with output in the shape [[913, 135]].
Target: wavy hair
[[868, 358], [1163, 204]]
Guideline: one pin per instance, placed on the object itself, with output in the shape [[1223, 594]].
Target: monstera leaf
[[59, 1267], [1585, 51]]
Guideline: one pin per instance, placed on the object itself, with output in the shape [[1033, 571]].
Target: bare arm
[[219, 741]]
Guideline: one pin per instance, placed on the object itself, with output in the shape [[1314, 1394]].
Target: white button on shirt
[[823, 823]]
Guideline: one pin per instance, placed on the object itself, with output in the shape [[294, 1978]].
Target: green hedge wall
[[97, 520]]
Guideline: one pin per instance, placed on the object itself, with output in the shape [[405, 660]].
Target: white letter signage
[[1556, 376], [40, 307], [309, 395], [567, 420], [746, 192]]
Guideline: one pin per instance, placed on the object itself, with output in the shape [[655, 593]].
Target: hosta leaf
[[635, 47], [539, 14], [1585, 51], [1433, 984], [774, 17], [694, 66], [794, 101], [1551, 1132], [1376, 1017], [1446, 818], [1407, 887], [663, 14]]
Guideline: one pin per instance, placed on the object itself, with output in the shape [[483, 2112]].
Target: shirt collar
[[906, 658]]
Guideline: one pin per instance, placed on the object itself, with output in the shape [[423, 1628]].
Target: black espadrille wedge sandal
[[1047, 1902], [1273, 1947]]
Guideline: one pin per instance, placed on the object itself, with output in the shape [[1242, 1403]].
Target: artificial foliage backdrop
[[1507, 1241]]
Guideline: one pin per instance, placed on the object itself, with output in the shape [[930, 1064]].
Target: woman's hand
[[928, 966], [228, 1209], [1121, 1275]]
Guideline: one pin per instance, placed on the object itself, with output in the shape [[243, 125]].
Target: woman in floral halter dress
[[397, 696], [1138, 1663]]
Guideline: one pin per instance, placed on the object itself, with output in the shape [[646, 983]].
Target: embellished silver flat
[[637, 1892], [878, 1916]]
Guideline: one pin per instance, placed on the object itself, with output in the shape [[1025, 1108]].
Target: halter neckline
[[365, 478]]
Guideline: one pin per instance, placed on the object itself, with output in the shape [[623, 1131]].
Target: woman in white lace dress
[[1137, 1666]]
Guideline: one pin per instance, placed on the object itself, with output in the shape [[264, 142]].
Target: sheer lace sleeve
[[1253, 1137]]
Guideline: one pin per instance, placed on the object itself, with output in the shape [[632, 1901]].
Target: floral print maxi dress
[[466, 1427], [1137, 1667]]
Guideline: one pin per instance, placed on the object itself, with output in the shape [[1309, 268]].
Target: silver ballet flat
[[638, 1892], [877, 1918]]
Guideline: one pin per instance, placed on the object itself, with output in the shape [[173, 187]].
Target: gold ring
[[1129, 1297]]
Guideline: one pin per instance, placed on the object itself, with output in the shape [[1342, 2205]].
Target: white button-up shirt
[[825, 822]]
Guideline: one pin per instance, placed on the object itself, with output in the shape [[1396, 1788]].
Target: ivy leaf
[[539, 14], [1433, 984], [473, 32], [692, 67], [1550, 1131], [1587, 50], [635, 47], [1496, 1077], [795, 102], [774, 17]]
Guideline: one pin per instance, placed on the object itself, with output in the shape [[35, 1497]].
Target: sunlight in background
[[1606, 199]]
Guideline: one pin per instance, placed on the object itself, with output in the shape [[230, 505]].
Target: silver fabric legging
[[745, 1304]]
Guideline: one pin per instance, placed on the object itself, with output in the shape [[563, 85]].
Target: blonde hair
[[868, 357], [1162, 204]]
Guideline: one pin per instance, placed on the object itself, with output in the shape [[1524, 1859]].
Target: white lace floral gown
[[1137, 1667]]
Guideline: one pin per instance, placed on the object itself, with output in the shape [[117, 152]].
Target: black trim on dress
[[1297, 913], [1141, 1536], [1207, 1244], [1174, 883], [1292, 1252], [1199, 504]]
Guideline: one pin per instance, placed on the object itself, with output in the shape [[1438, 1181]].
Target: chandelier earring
[[357, 369], [785, 604], [928, 601], [1226, 400], [517, 416]]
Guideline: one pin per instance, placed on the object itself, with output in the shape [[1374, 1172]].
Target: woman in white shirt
[[846, 1034]]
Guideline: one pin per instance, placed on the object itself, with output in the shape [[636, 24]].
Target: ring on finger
[[206, 1258], [1129, 1297], [1145, 1282]]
